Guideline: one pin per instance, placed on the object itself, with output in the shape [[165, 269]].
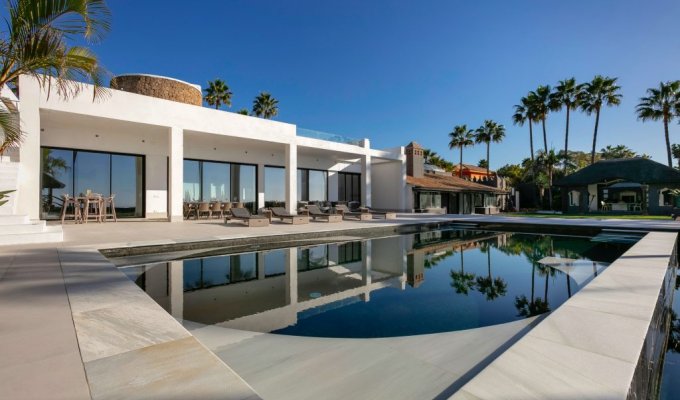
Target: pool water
[[429, 282]]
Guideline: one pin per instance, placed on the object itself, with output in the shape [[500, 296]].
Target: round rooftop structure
[[160, 87]]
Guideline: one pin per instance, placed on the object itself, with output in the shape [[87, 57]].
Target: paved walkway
[[72, 326]]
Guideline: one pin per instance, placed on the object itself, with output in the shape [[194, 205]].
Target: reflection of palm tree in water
[[462, 281], [51, 166], [491, 287]]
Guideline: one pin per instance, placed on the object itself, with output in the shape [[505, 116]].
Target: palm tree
[[566, 95], [539, 104], [489, 132], [523, 114], [461, 137], [460, 280], [662, 103], [549, 160], [619, 151], [491, 287], [243, 111], [602, 90], [218, 93], [675, 149], [35, 44], [265, 106]]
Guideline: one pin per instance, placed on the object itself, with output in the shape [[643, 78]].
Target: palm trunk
[[566, 143], [488, 145], [568, 286], [550, 173], [545, 295], [531, 140], [668, 141], [545, 136], [597, 123], [460, 166]]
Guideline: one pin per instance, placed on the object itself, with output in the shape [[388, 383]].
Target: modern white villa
[[155, 153]]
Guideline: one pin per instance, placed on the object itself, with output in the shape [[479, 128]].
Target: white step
[[51, 234], [14, 220], [34, 227]]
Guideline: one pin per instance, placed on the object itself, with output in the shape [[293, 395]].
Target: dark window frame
[[73, 172], [200, 177]]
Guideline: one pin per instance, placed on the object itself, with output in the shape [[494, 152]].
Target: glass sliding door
[[215, 182], [192, 180], [349, 187], [77, 172], [92, 172], [220, 181], [127, 184], [274, 187], [56, 180], [312, 185]]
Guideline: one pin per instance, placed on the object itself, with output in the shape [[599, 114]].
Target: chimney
[[415, 164]]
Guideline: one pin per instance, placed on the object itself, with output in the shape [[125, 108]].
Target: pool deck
[[73, 326]]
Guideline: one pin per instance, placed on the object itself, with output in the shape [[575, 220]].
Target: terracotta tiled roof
[[474, 168], [449, 184]]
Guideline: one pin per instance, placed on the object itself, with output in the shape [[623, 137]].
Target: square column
[[260, 185], [366, 180], [291, 177], [28, 188], [176, 175], [291, 275], [176, 288]]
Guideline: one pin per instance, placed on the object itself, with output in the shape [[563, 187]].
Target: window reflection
[[218, 271], [220, 181], [312, 185], [215, 182], [274, 187], [313, 258], [77, 172]]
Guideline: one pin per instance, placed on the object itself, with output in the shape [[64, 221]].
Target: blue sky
[[396, 71]]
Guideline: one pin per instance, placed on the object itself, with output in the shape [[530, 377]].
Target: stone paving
[[65, 335]]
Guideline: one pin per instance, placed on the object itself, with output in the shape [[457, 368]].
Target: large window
[[274, 187], [220, 181], [75, 172], [429, 200], [349, 187], [312, 185], [207, 272]]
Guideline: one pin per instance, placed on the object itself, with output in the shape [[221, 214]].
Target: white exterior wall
[[389, 186], [134, 124]]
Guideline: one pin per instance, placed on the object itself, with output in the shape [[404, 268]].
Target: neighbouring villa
[[635, 186]]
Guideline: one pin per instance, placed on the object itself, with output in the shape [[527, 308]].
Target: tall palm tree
[[36, 43], [489, 132], [218, 93], [265, 106], [461, 137], [549, 160], [567, 95], [662, 103], [602, 90], [491, 287], [523, 114], [539, 104]]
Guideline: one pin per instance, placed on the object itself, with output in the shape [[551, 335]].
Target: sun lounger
[[283, 215], [349, 214], [315, 213], [364, 213], [241, 214]]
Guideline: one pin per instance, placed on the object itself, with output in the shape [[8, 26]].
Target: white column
[[28, 190], [176, 174], [260, 265], [291, 177], [366, 180], [260, 185], [366, 268], [291, 276], [176, 288]]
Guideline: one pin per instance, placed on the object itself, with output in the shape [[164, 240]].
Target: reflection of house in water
[[269, 290], [428, 247]]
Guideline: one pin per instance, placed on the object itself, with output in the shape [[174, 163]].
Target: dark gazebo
[[630, 185]]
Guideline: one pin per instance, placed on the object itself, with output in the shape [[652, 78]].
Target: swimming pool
[[435, 281]]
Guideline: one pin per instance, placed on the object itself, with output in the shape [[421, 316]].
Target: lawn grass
[[590, 216]]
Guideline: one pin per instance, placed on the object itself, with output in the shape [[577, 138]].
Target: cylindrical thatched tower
[[159, 87]]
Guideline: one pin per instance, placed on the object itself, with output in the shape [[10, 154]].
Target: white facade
[[167, 132]]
